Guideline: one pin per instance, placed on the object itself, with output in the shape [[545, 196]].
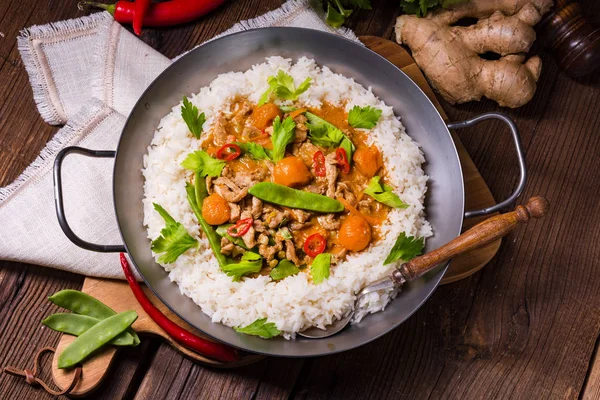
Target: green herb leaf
[[283, 86], [285, 233], [204, 164], [334, 19], [364, 117], [406, 248], [319, 268], [284, 269], [174, 239], [250, 263], [260, 327], [384, 193], [325, 134], [192, 118], [256, 151], [283, 134]]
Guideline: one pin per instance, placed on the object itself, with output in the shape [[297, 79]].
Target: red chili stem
[[240, 228], [228, 152], [315, 245], [168, 13], [319, 162], [185, 338], [140, 9]]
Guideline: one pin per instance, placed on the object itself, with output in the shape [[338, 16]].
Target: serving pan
[[238, 52]]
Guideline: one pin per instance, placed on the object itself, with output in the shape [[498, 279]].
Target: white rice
[[294, 303]]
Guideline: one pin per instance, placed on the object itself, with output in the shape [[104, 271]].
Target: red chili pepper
[[140, 9], [240, 228], [167, 13], [229, 152], [315, 245], [319, 161], [217, 351], [342, 160]]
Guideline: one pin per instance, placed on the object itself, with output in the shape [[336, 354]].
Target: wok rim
[[440, 270]]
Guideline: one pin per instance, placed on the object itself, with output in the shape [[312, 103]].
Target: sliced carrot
[[297, 112], [353, 210]]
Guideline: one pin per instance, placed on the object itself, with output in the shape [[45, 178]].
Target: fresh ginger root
[[449, 55]]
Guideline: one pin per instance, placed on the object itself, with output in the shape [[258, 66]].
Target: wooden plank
[[523, 327]]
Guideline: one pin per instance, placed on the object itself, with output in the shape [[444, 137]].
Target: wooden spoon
[[478, 236]]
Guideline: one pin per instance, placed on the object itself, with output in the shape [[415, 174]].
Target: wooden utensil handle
[[481, 234]]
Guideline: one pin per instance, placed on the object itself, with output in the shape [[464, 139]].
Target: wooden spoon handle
[[478, 236]]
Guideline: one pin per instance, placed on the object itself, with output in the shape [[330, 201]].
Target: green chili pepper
[[76, 325], [95, 337], [82, 303], [288, 197], [238, 241], [196, 202]]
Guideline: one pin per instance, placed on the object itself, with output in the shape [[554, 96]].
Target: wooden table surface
[[526, 326]]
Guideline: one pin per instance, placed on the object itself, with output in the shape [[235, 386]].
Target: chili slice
[[229, 152], [319, 161], [241, 227], [342, 160], [315, 245], [185, 338]]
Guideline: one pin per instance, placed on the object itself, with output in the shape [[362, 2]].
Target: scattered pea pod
[[75, 324], [95, 337], [84, 304], [293, 198]]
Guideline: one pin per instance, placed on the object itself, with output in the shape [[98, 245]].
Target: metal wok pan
[[238, 52]]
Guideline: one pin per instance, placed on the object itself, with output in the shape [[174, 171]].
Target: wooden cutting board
[[118, 296]]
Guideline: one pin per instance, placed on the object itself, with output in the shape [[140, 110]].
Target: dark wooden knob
[[478, 236], [574, 40]]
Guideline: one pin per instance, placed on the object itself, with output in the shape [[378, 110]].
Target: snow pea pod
[[95, 337], [76, 325], [293, 198], [82, 303], [199, 189]]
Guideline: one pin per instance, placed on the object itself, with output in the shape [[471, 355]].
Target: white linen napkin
[[86, 74]]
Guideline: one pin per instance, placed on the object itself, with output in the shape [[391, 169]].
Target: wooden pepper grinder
[[574, 40]]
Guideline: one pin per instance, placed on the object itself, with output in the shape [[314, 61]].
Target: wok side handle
[[520, 157], [58, 199], [481, 234]]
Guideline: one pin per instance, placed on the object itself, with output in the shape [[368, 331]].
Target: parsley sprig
[[283, 86], [364, 117], [384, 194], [256, 151], [260, 327], [325, 134], [319, 268], [284, 269], [201, 162], [193, 119], [283, 134], [250, 263], [173, 241], [406, 248]]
